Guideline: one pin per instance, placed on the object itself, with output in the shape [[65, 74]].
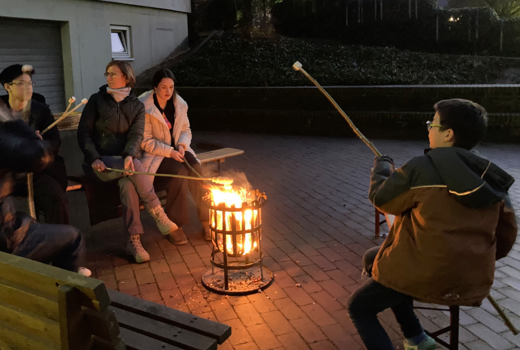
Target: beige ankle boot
[[135, 249], [164, 224]]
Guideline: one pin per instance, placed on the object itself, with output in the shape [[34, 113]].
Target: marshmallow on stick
[[65, 114]]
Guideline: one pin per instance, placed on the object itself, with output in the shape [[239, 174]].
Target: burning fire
[[233, 221]]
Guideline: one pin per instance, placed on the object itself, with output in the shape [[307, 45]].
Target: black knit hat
[[14, 71]]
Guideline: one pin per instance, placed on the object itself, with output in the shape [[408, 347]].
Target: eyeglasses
[[23, 84], [430, 125], [111, 74]]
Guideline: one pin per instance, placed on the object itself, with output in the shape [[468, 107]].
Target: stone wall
[[378, 111]]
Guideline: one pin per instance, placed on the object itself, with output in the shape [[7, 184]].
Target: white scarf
[[119, 94]]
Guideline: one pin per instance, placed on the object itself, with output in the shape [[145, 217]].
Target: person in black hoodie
[[51, 183], [110, 133], [22, 150], [453, 220]]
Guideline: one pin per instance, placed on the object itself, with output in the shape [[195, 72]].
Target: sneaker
[[135, 249], [178, 237], [206, 230], [84, 272], [165, 225], [426, 344]]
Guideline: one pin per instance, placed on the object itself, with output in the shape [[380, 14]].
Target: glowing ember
[[233, 221]]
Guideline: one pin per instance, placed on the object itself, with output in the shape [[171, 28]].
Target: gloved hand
[[383, 158]]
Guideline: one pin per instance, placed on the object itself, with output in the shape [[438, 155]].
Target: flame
[[233, 220]]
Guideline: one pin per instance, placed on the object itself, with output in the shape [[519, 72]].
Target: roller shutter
[[37, 43]]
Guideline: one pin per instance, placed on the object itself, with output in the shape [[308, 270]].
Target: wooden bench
[[46, 308], [218, 156]]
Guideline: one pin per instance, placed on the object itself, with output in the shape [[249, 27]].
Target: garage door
[[37, 43]]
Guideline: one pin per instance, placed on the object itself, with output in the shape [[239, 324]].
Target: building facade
[[69, 42]]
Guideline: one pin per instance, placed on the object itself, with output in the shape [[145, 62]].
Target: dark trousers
[[177, 190], [61, 245], [49, 197], [372, 298], [197, 189]]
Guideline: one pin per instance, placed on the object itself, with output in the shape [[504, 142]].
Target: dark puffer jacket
[[110, 128]]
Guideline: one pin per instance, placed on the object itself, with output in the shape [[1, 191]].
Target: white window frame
[[124, 35]]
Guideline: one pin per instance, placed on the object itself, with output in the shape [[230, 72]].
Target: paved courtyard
[[318, 223]]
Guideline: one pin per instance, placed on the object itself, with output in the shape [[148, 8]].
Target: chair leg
[[378, 224], [454, 333]]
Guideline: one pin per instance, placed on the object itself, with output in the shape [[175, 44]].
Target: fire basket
[[236, 231]]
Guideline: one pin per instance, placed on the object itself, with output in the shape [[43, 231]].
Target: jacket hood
[[474, 181], [150, 108]]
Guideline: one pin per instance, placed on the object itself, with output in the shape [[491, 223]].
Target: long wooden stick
[[506, 319], [297, 66], [219, 180], [30, 176], [30, 195], [64, 115]]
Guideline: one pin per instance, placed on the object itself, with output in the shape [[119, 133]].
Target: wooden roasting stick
[[297, 66], [219, 180], [30, 176]]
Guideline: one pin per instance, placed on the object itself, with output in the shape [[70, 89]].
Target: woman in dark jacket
[[110, 133], [50, 184]]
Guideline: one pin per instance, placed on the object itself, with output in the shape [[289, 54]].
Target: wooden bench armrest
[[219, 154]]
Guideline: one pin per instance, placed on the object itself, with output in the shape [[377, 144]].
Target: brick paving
[[317, 224]]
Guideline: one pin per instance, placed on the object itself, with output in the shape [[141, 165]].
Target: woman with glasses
[[110, 133], [20, 103]]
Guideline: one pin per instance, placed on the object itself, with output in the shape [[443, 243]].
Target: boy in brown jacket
[[453, 219]]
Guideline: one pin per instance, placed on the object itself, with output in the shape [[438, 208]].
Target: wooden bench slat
[[30, 300], [19, 341], [219, 154], [103, 324], [30, 324], [136, 341], [215, 330], [170, 334], [47, 279]]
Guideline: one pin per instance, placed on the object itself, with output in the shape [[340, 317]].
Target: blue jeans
[[61, 245], [372, 298]]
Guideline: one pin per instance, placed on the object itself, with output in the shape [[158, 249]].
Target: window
[[121, 46]]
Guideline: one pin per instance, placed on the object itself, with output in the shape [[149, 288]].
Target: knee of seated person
[[124, 184], [70, 233], [182, 171], [137, 165], [368, 259], [352, 305]]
